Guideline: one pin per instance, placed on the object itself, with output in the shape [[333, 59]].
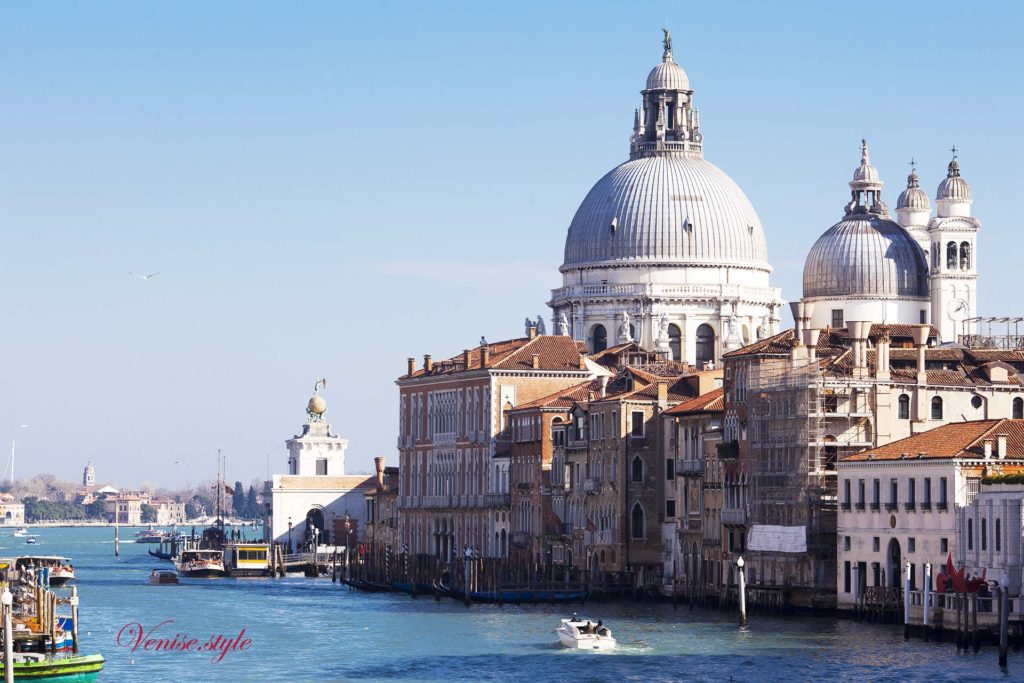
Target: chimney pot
[[662, 393], [988, 450], [1001, 445], [410, 364], [428, 364], [485, 356], [536, 360], [602, 382], [465, 359], [532, 331]]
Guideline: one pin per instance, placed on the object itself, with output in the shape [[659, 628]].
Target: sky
[[329, 188]]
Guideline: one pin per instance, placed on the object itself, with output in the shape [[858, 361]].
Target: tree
[[238, 500], [96, 509], [252, 505], [198, 506], [148, 513]]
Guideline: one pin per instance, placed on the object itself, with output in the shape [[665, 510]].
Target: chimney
[[485, 356], [379, 464], [428, 365], [531, 331], [602, 382], [797, 307], [536, 357], [410, 364], [988, 449], [662, 393], [465, 359], [882, 355], [1001, 446], [811, 342], [858, 330], [920, 341]]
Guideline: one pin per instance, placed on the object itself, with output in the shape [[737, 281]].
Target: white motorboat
[[20, 533], [201, 563], [584, 634]]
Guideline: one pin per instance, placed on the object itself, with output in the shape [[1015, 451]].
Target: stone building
[[455, 443], [990, 537], [12, 512], [914, 501], [382, 533]]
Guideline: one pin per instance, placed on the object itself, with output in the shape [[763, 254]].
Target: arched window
[[600, 336], [675, 339], [951, 258], [637, 521], [831, 451], [965, 256], [935, 256], [1018, 408], [937, 408], [637, 470], [904, 407], [705, 345]]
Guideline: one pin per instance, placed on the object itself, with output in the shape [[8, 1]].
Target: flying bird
[[144, 277]]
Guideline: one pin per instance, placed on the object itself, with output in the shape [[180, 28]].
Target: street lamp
[[743, 592], [289, 535]]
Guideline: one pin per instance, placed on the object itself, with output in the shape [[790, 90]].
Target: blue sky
[[328, 188]]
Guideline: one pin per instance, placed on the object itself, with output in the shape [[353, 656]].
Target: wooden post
[[1003, 594], [974, 622], [52, 621], [74, 619], [959, 621], [926, 607], [7, 604], [743, 592], [906, 603], [117, 552]]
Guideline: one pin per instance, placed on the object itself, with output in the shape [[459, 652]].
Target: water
[[313, 630]]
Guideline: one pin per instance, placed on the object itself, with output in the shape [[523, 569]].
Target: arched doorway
[[675, 342], [705, 345], [894, 556], [600, 336], [503, 543]]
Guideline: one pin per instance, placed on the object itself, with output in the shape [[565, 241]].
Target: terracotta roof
[[711, 402], [958, 366], [955, 440], [563, 398], [831, 341], [555, 352]]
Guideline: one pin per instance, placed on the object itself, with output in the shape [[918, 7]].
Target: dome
[[953, 187], [866, 255], [913, 198], [668, 76], [666, 209], [865, 176]]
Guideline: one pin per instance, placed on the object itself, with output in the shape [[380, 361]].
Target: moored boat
[[195, 563], [58, 570], [247, 559], [584, 634], [30, 666], [149, 536]]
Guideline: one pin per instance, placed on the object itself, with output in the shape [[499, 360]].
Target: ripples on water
[[313, 630]]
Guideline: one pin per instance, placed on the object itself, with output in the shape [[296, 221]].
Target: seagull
[[144, 277]]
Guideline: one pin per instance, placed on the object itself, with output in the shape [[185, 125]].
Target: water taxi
[[201, 563], [31, 540], [162, 577], [247, 559], [59, 568], [584, 634], [31, 666], [149, 536]]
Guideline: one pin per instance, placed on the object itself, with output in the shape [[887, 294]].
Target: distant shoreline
[[55, 524]]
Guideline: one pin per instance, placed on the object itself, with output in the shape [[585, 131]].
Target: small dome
[[668, 76], [953, 187], [865, 174], [866, 255], [913, 198]]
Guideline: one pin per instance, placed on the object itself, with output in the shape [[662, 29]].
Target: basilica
[[667, 251]]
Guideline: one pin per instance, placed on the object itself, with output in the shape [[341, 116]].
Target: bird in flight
[[144, 277]]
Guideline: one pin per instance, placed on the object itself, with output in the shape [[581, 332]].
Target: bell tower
[[953, 234]]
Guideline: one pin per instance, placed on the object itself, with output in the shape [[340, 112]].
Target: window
[[965, 256], [675, 337], [876, 494], [937, 408], [927, 502], [837, 318], [893, 494], [846, 576], [637, 521], [321, 466], [860, 494], [670, 470], [875, 543], [999, 536], [1018, 408], [911, 545], [637, 470], [944, 545], [942, 493], [976, 401], [846, 494], [904, 407], [636, 423], [705, 345], [670, 508], [911, 493], [600, 338], [846, 543], [984, 534], [970, 534], [951, 259], [924, 317]]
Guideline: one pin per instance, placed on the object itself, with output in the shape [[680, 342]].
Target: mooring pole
[[7, 603], [1003, 594], [926, 619], [74, 619], [743, 592], [906, 603]]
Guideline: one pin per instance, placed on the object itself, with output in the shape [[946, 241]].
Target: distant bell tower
[[954, 263], [89, 475]]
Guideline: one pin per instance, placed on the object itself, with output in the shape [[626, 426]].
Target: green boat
[[74, 669]]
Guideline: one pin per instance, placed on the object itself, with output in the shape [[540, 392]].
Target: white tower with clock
[[953, 259]]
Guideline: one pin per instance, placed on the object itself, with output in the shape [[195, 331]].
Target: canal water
[[313, 630]]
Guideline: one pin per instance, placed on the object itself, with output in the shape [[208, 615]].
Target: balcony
[[520, 539], [560, 529], [875, 507], [941, 506], [524, 485], [860, 506], [926, 506], [734, 516], [436, 502], [591, 485], [497, 500], [909, 507], [846, 506], [690, 468], [892, 505]]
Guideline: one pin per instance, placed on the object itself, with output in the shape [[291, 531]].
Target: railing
[[909, 507], [1009, 342], [699, 291], [497, 500], [926, 507], [436, 502], [891, 505], [734, 516], [591, 485], [520, 539], [690, 468]]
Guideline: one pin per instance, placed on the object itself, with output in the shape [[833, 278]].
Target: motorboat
[[20, 533], [201, 563], [31, 540], [161, 577], [585, 634], [59, 570], [149, 536]]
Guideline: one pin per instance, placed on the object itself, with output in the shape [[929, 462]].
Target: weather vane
[[953, 150]]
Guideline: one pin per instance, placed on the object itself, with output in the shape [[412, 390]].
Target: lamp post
[[289, 535], [348, 542], [743, 591]]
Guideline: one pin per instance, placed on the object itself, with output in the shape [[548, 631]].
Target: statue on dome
[[541, 328], [563, 325], [667, 41]]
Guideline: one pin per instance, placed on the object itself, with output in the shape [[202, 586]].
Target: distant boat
[[201, 563], [161, 577], [20, 532], [31, 540], [584, 634], [149, 536], [60, 569]]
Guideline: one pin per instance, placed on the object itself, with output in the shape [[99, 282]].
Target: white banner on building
[[778, 539]]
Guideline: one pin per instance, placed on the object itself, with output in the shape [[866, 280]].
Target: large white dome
[[666, 209]]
